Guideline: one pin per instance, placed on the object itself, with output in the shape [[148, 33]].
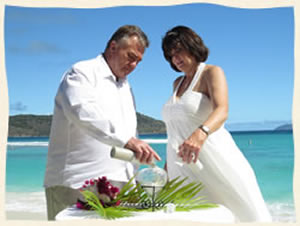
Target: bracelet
[[205, 129]]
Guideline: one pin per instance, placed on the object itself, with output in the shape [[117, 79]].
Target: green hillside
[[39, 125]]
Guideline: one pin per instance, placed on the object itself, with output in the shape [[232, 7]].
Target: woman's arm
[[218, 93]]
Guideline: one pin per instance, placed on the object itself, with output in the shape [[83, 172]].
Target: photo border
[[4, 103]]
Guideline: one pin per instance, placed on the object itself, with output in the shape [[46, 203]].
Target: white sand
[[17, 215], [25, 206]]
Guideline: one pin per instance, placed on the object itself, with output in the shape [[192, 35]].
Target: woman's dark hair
[[186, 38]]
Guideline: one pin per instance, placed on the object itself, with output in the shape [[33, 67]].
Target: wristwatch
[[205, 129]]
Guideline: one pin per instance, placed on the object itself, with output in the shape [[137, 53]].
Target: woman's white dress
[[226, 174]]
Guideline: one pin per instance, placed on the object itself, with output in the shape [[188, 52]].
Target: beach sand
[[25, 206], [18, 215]]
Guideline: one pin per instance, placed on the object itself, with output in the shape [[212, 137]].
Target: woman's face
[[183, 60]]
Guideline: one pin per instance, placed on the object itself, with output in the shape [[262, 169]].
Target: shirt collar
[[107, 71]]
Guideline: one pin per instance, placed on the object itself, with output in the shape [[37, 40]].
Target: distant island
[[284, 127], [39, 125]]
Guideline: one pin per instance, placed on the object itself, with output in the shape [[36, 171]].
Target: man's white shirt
[[93, 111]]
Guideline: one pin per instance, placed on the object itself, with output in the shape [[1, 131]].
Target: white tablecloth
[[217, 215]]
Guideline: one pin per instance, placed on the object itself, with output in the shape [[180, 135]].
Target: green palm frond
[[132, 193], [185, 197], [195, 207], [188, 193], [126, 188], [94, 202], [115, 213], [105, 213], [167, 190]]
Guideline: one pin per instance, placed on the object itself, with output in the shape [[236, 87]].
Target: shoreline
[[22, 215], [142, 135], [32, 206], [26, 201]]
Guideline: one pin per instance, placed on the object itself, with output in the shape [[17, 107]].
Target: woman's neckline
[[191, 85]]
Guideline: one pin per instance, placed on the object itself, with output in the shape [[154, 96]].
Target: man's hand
[[143, 152]]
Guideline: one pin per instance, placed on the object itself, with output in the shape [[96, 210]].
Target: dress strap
[[197, 75], [177, 87]]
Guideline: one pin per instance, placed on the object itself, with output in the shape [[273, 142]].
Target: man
[[94, 110]]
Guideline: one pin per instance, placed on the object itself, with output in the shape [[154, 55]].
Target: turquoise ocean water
[[271, 155]]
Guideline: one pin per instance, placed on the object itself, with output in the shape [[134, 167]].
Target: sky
[[254, 47]]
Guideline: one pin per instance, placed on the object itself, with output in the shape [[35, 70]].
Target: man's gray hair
[[128, 31]]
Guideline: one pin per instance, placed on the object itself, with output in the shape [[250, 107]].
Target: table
[[218, 214]]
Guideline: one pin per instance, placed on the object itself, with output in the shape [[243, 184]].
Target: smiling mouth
[[180, 64]]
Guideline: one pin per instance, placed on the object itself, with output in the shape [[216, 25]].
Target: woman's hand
[[189, 150]]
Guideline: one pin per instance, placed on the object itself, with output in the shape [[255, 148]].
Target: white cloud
[[18, 106]]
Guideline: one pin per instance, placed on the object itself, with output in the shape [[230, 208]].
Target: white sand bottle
[[195, 167], [127, 155]]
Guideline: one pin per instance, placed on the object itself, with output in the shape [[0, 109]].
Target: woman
[[195, 117]]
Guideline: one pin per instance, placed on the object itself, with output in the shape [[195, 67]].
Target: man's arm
[[78, 100]]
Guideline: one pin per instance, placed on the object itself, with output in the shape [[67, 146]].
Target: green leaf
[[168, 190], [114, 213], [127, 187], [134, 194], [185, 197], [105, 213], [94, 202]]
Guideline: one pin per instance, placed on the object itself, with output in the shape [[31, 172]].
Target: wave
[[32, 143], [35, 202], [44, 143], [156, 141], [282, 212]]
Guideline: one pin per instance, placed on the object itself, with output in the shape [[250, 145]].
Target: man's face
[[126, 54]]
